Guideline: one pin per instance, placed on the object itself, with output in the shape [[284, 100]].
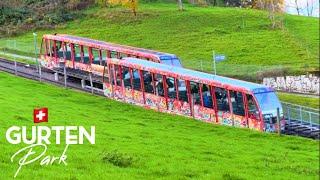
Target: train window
[[68, 51], [195, 91], [136, 80], [60, 49], [44, 47], [158, 78], [77, 50], [106, 74], [95, 56], [252, 108], [126, 77], [147, 78], [111, 73], [86, 59], [118, 74], [171, 88], [123, 55], [65, 51], [222, 99], [49, 47], [206, 96], [183, 95], [54, 48], [237, 103], [104, 56], [113, 54]]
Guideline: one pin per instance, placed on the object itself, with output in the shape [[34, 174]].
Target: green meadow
[[134, 143], [243, 35]]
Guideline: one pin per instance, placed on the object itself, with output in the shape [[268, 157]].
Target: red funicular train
[[191, 93], [90, 55], [157, 81]]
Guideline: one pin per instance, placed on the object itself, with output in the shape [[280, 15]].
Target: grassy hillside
[[133, 143], [302, 100], [243, 35]]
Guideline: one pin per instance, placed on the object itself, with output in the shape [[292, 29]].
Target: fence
[[247, 72], [20, 50], [304, 115]]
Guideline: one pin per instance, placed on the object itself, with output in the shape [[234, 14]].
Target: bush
[[118, 159], [17, 16]]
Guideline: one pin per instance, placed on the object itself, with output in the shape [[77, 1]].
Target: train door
[[223, 107], [107, 79], [96, 65], [254, 121], [113, 82], [149, 85], [127, 76], [78, 56], [172, 89], [47, 58], [66, 49], [178, 100], [52, 54], [160, 91], [117, 82], [238, 108], [203, 106], [138, 94]]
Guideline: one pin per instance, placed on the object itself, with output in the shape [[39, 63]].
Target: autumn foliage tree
[[131, 4]]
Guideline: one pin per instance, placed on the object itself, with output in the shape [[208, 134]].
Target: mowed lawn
[[134, 143], [243, 35]]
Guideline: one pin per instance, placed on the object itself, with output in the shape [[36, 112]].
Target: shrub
[[17, 16], [118, 159]]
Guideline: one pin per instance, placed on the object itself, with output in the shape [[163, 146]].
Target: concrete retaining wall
[[301, 84]]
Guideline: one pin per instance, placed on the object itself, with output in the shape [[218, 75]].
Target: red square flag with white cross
[[40, 115]]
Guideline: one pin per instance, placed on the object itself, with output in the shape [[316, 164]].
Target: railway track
[[292, 127], [31, 72]]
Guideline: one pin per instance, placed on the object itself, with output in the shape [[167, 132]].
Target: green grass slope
[[243, 35], [134, 143], [300, 99]]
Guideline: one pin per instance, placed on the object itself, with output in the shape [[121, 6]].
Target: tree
[[131, 4], [310, 7], [274, 7]]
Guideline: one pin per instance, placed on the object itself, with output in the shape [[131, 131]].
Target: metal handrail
[[301, 114], [305, 107]]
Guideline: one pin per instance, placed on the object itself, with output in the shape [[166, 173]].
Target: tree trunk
[[308, 8], [180, 5], [297, 7], [272, 14]]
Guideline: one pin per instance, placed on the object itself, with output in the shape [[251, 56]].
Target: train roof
[[106, 44], [196, 76]]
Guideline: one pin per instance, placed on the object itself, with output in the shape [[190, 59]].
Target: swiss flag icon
[[40, 115]]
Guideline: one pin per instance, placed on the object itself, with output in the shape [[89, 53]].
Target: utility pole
[[38, 67], [214, 63], [15, 61], [278, 121], [35, 47]]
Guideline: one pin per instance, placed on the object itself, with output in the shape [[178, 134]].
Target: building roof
[[196, 76]]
